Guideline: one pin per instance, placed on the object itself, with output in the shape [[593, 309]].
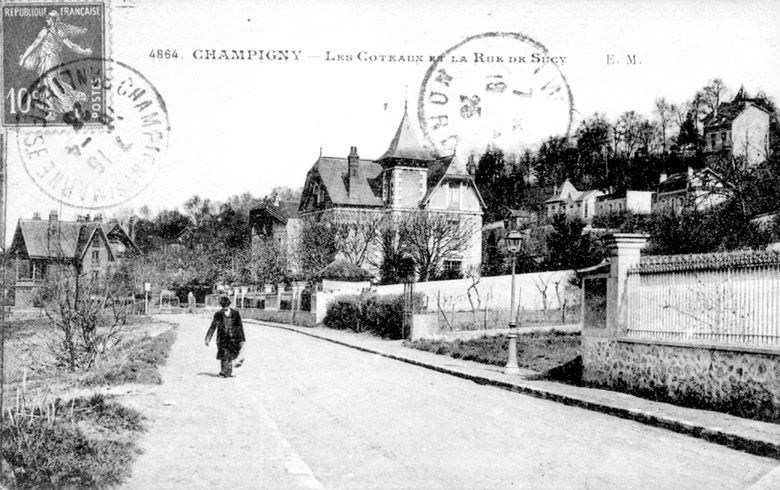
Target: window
[[454, 194], [96, 257], [451, 268]]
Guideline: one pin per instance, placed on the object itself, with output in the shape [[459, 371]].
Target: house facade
[[569, 201], [739, 128], [406, 179], [40, 248], [637, 202], [694, 189]]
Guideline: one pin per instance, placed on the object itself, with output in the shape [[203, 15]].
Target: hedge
[[369, 312]]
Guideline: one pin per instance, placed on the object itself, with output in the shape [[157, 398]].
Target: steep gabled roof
[[567, 191], [114, 231], [67, 240], [405, 146], [444, 169], [365, 191], [32, 238], [728, 111]]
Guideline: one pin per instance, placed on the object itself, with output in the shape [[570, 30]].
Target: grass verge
[[81, 443], [553, 353], [135, 361]]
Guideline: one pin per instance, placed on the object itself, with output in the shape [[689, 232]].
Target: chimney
[[662, 178], [471, 167], [131, 227], [36, 215], [52, 229], [98, 218], [352, 164]]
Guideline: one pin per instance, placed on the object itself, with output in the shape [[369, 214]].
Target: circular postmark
[[101, 134], [494, 88]]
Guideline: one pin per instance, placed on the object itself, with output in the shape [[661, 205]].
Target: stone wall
[[744, 381]]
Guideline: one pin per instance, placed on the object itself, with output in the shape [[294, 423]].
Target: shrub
[[344, 313], [381, 315]]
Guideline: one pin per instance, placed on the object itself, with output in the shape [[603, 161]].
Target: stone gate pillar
[[624, 249]]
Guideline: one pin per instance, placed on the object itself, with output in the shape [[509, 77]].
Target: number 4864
[[163, 54]]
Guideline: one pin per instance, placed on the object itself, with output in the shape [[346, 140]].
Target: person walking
[[190, 302], [230, 336]]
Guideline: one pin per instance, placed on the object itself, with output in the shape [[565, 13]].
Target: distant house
[[738, 128], [279, 221], [406, 178], [637, 202], [569, 201], [516, 219], [694, 189], [41, 247]]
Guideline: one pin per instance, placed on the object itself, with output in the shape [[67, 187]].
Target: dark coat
[[230, 334]]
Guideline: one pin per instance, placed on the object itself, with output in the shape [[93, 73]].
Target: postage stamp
[[496, 87], [100, 166], [37, 38]]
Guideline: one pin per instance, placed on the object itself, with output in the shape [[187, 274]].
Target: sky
[[249, 126]]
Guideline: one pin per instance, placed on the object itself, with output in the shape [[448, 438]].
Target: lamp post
[[513, 240]]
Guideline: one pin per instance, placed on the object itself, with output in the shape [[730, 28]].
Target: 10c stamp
[[38, 38]]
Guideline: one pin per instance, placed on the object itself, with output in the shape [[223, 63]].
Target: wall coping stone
[[752, 349], [653, 264]]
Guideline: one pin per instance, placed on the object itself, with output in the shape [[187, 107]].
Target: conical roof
[[342, 270], [405, 144]]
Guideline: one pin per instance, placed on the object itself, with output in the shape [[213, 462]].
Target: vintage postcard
[[408, 244]]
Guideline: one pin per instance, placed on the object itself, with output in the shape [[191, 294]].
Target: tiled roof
[[405, 144], [281, 211], [727, 112], [367, 191], [69, 239]]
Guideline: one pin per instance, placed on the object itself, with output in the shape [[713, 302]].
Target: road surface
[[305, 413]]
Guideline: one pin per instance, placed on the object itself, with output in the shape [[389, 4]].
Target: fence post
[[408, 308], [624, 249]]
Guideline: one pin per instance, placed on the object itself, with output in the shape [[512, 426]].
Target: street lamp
[[513, 240]]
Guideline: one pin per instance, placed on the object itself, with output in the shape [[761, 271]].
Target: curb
[[714, 435]]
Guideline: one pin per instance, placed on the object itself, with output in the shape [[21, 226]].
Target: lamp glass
[[513, 240]]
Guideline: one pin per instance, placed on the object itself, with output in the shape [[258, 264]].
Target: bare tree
[[431, 237], [542, 285], [474, 274], [85, 310], [665, 113], [357, 235]]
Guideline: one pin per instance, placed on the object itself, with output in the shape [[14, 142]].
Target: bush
[[344, 313], [381, 315]]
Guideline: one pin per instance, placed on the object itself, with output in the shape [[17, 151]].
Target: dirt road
[[303, 413]]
